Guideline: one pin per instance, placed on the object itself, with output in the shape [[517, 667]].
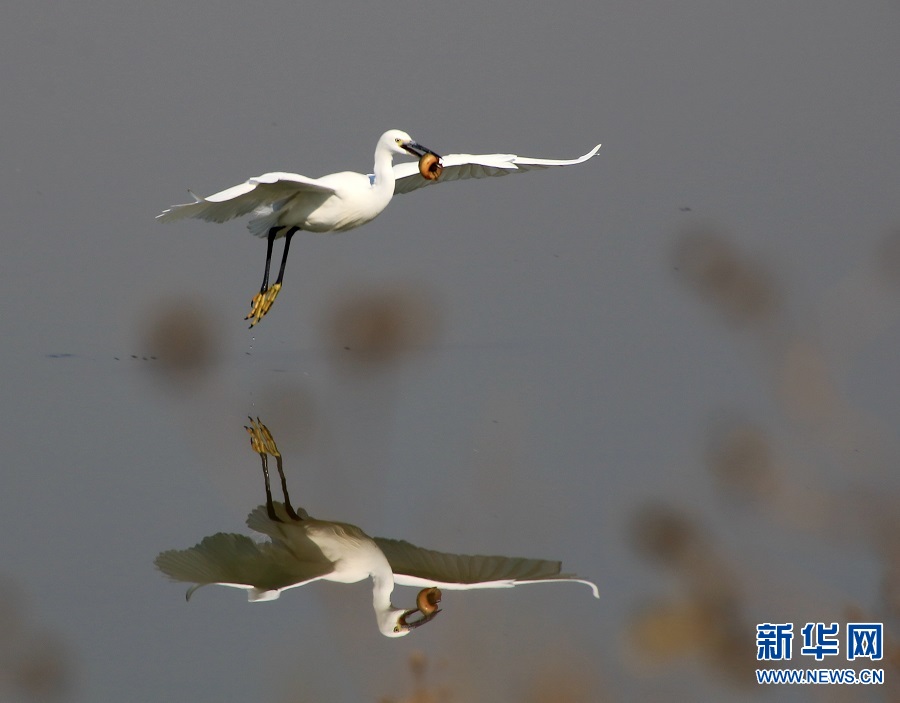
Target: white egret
[[284, 203], [303, 549]]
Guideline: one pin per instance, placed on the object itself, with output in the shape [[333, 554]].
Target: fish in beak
[[426, 604]]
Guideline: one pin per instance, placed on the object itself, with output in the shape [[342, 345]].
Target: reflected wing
[[258, 520], [245, 198], [458, 167], [236, 560], [414, 566]]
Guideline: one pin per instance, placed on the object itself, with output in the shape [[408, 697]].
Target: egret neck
[[385, 612], [383, 169]]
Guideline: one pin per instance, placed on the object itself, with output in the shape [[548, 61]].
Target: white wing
[[414, 566], [458, 167], [236, 560], [242, 199], [259, 521]]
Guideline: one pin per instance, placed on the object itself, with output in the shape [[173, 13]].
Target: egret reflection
[[302, 549]]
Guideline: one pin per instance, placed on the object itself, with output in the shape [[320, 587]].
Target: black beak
[[421, 621], [418, 150]]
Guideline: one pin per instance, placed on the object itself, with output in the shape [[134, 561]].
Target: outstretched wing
[[414, 566], [236, 560], [259, 521], [243, 199], [458, 167]]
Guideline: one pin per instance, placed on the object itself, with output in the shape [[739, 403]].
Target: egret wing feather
[[419, 582], [415, 566], [259, 521], [459, 167], [236, 560], [243, 199]]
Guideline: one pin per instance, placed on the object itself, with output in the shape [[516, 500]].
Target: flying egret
[[284, 203], [303, 549]]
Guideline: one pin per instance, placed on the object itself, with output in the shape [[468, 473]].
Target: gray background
[[673, 367]]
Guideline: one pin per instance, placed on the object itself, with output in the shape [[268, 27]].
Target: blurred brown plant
[[819, 430], [34, 664], [742, 289], [667, 535], [707, 618], [423, 690], [740, 458], [181, 337], [371, 329], [563, 675]]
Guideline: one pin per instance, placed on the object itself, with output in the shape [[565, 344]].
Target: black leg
[[270, 507], [273, 232], [262, 301], [262, 442], [287, 245], [287, 500]]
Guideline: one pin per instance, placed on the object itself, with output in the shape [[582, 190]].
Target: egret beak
[[426, 604], [418, 150], [412, 625]]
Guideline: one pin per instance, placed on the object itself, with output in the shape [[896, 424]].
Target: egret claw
[[268, 441], [255, 313], [262, 303], [257, 438], [270, 296]]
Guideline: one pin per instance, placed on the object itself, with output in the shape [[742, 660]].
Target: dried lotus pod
[[428, 599], [430, 167]]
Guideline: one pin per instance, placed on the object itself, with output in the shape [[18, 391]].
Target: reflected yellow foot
[[256, 442], [261, 440], [262, 303]]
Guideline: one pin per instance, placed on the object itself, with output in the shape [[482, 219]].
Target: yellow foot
[[261, 440], [262, 303]]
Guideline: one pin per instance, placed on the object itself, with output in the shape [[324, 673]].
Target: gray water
[[672, 368]]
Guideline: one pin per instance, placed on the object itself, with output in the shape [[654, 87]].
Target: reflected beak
[[426, 604], [412, 625], [418, 150]]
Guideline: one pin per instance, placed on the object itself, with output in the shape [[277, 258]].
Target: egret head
[[399, 142], [399, 623]]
